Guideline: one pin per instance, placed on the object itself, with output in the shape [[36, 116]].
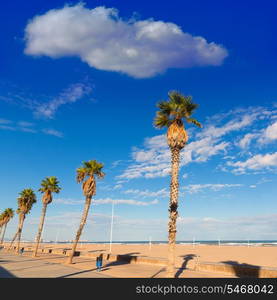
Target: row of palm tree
[[26, 200], [49, 185], [172, 114], [5, 218]]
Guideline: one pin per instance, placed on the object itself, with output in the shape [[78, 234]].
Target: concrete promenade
[[12, 266], [54, 266]]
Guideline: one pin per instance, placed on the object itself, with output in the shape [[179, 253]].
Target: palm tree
[[25, 202], [1, 222], [86, 175], [49, 185], [7, 216], [172, 113]]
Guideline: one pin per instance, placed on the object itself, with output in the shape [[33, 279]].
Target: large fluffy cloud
[[106, 42]]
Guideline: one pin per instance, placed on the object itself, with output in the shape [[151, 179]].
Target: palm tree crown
[[2, 219], [172, 113], [86, 174], [49, 185], [25, 201], [8, 214]]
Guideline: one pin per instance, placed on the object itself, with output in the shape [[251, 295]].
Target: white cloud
[[106, 201], [147, 193], [237, 123], [216, 138], [106, 42], [25, 124], [246, 140], [257, 162], [269, 134], [154, 160], [19, 126], [7, 127], [45, 106], [4, 121], [72, 94], [53, 132], [27, 129], [123, 201], [118, 186], [68, 201], [195, 188], [243, 227]]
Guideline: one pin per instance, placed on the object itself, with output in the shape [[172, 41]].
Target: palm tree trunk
[[173, 213], [11, 243], [1, 229], [20, 231], [3, 235], [79, 232], [40, 228]]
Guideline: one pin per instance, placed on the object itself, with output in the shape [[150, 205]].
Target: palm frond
[[194, 121], [50, 184], [26, 199], [81, 174], [161, 120], [89, 168], [177, 107]]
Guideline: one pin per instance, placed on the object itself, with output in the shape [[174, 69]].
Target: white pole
[[219, 242], [58, 232], [150, 244], [111, 232], [194, 242]]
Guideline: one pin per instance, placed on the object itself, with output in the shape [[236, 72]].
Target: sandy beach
[[263, 256]]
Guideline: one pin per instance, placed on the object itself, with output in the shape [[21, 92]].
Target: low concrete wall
[[127, 258], [238, 270]]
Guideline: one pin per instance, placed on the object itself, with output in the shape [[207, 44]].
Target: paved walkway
[[12, 265], [52, 265]]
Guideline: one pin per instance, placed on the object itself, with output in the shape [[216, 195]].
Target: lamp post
[[111, 232]]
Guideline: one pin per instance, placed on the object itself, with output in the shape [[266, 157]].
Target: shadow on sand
[[243, 270], [161, 270], [82, 272], [187, 258]]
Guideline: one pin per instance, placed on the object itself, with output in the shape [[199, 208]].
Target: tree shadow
[[161, 270], [81, 272], [187, 258], [122, 259], [5, 273], [244, 270], [4, 261], [33, 267]]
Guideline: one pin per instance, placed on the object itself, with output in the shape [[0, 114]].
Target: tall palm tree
[[25, 201], [86, 175], [172, 114], [7, 216], [49, 185], [1, 221]]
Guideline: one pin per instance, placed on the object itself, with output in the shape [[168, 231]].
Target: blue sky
[[80, 81]]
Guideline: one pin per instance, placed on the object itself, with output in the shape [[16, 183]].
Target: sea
[[195, 242]]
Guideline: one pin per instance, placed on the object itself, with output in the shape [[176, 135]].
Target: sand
[[263, 256]]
